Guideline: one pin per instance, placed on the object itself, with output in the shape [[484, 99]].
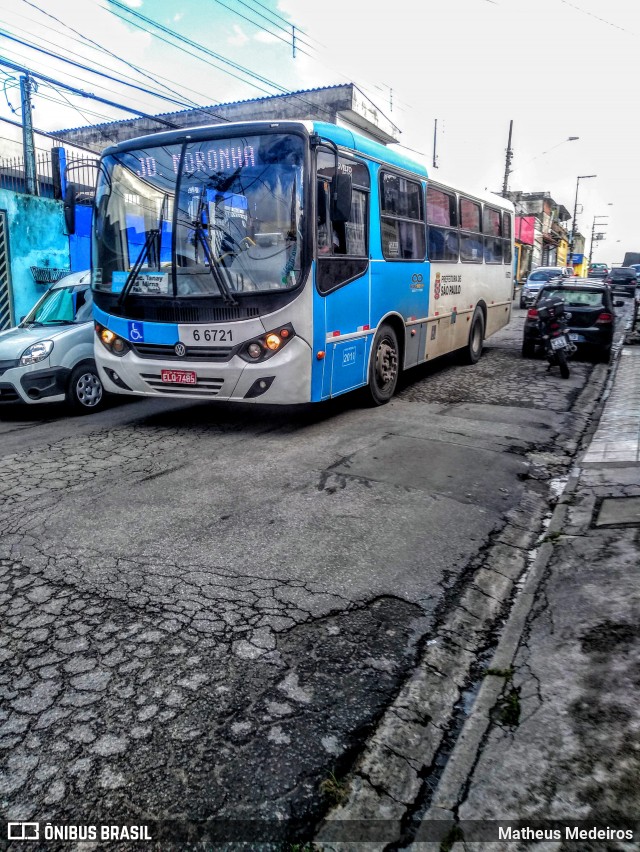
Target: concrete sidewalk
[[554, 733]]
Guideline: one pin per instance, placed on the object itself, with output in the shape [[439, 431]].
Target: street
[[208, 609]]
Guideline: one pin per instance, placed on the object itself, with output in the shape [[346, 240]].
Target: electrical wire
[[184, 40], [184, 49], [207, 51], [95, 44], [66, 100], [84, 94], [55, 136], [188, 103], [264, 29], [602, 20], [4, 34]]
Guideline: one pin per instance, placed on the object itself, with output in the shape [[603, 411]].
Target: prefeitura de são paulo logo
[[436, 289]]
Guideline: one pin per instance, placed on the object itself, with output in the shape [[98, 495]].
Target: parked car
[[598, 270], [48, 357], [538, 278], [635, 266], [623, 279], [592, 309]]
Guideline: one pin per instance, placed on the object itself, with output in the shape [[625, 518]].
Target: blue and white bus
[[287, 262]]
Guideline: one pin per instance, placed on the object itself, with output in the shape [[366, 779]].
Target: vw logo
[[180, 349]]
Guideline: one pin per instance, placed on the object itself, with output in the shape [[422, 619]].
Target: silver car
[[537, 279], [49, 356]]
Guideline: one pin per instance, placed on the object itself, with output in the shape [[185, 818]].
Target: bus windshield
[[215, 217]]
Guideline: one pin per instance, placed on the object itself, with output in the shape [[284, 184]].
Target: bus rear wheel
[[384, 366], [473, 350]]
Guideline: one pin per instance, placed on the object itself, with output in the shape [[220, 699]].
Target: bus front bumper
[[283, 379]]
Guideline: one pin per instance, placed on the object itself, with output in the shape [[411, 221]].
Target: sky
[[556, 68]]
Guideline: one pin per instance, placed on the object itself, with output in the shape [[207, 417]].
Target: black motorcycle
[[554, 333]]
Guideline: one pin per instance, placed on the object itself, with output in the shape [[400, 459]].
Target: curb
[[456, 776]]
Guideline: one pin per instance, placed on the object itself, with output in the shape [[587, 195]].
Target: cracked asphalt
[[206, 610]]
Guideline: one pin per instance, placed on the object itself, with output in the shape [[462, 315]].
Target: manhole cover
[[619, 512]]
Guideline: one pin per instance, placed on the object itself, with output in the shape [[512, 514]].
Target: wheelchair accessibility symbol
[[136, 332]]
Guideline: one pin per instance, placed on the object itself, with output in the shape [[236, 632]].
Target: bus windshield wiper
[[153, 238], [214, 269], [152, 235]]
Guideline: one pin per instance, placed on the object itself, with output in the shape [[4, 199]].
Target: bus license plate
[[558, 343], [178, 377]]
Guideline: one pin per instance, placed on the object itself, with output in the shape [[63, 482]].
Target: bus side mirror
[[341, 198], [70, 208]]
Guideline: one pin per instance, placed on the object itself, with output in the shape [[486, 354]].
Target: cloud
[[265, 38], [134, 4], [240, 38]]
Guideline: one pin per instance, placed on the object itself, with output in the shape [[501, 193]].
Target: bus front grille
[[178, 313], [193, 353]]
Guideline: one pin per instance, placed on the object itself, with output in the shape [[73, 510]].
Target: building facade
[[540, 231]]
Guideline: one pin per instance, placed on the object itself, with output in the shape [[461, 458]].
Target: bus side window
[[442, 225], [343, 253], [402, 225]]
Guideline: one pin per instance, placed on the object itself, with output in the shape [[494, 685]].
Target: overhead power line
[[597, 17], [83, 94], [55, 136], [195, 45], [99, 46], [6, 35], [187, 102], [264, 29], [187, 41]]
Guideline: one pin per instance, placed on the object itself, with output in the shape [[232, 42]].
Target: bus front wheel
[[384, 366]]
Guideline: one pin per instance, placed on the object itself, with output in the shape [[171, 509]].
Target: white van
[[49, 356]]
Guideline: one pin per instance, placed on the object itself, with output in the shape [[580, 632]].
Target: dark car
[[623, 279], [598, 270], [592, 319]]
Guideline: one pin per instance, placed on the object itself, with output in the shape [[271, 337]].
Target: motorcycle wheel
[[562, 363]]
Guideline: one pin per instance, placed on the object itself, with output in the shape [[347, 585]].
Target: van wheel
[[85, 392], [384, 366], [473, 350]]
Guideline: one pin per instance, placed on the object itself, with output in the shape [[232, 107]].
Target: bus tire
[[473, 350], [85, 393], [384, 366]]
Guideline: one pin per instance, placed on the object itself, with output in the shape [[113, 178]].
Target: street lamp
[[575, 212], [541, 154]]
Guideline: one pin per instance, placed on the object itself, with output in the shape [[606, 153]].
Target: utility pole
[[507, 165], [575, 213], [26, 87], [435, 139], [595, 236]]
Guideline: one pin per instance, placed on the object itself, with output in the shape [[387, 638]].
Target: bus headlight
[[111, 341], [263, 347]]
